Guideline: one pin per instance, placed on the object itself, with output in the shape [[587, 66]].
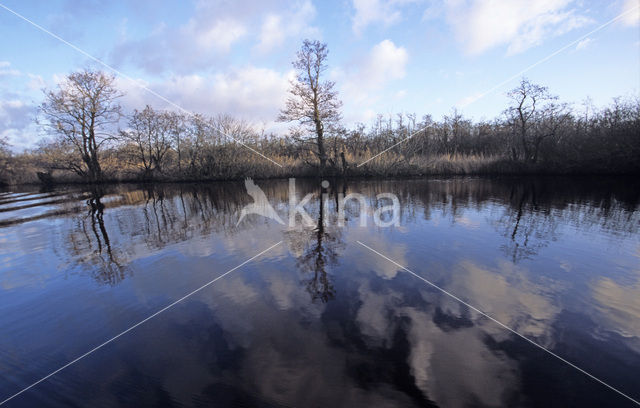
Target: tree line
[[92, 139]]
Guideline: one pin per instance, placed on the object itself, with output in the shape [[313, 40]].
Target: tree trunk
[[322, 155]]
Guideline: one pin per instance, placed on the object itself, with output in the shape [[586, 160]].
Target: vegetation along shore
[[90, 138]]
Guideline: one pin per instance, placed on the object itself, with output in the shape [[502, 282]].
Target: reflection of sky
[[385, 338]]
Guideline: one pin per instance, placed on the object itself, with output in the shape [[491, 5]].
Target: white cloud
[[214, 33], [36, 82], [16, 123], [387, 61], [17, 111], [197, 44], [633, 16], [384, 12], [276, 28], [272, 33], [252, 93], [219, 36], [519, 24], [6, 70], [369, 77]]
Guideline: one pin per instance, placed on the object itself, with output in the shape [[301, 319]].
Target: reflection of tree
[[320, 251], [109, 268], [528, 214], [525, 224]]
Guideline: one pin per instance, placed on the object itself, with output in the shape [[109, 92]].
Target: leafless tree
[[313, 102], [549, 123], [5, 155], [150, 132], [528, 100], [83, 112], [59, 154], [177, 126], [194, 141]]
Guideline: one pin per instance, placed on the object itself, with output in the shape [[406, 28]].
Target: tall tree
[[528, 102], [83, 112], [312, 102]]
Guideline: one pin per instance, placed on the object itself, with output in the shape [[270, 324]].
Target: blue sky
[[411, 56]]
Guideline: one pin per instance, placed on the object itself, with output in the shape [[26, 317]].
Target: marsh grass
[[247, 164]]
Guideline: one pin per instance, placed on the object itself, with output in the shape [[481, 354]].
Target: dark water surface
[[320, 320]]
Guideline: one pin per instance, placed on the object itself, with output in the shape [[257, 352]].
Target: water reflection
[[109, 269], [320, 321], [317, 249]]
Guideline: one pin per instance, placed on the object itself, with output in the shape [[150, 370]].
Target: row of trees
[[5, 157], [93, 139], [531, 133], [91, 133]]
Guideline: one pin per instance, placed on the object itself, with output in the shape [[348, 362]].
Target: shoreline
[[357, 177]]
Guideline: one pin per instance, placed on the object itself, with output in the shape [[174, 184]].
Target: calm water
[[320, 320]]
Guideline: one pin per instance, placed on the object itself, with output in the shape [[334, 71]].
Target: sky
[[386, 57]]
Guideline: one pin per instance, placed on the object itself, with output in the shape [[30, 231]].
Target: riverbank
[[391, 166]]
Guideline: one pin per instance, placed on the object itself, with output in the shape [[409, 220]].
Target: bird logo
[[260, 205]]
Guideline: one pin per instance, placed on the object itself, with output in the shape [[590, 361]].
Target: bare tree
[[82, 112], [151, 134], [528, 99], [549, 123], [5, 155], [59, 154], [176, 126], [313, 103]]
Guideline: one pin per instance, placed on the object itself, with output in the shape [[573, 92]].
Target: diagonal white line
[[499, 323], [389, 148], [123, 75], [138, 324], [553, 54], [511, 78]]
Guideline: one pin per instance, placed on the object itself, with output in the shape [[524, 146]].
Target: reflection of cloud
[[436, 355], [481, 374], [277, 364], [372, 262], [284, 292], [27, 242], [236, 290], [467, 222], [256, 331], [516, 302], [620, 305], [372, 316]]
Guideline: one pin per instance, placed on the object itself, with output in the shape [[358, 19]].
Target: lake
[[325, 315]]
